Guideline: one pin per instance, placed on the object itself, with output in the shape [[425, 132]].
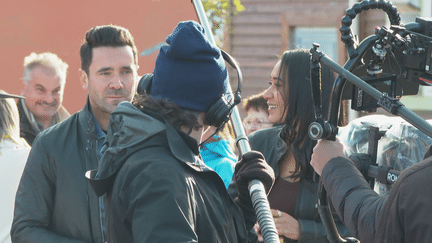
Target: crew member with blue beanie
[[156, 186], [190, 71]]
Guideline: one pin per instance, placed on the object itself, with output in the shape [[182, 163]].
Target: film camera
[[400, 59]]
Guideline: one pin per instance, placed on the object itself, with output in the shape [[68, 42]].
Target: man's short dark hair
[[174, 114], [106, 35]]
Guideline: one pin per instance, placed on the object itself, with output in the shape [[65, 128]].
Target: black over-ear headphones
[[220, 111]]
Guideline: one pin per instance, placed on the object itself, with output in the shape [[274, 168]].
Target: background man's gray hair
[[48, 60]]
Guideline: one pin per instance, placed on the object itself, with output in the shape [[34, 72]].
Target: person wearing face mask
[[288, 149], [44, 81]]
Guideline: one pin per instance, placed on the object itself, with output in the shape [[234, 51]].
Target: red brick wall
[[60, 27]]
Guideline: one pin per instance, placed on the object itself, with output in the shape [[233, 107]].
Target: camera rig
[[398, 61], [382, 68]]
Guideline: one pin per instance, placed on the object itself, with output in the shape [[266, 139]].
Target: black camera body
[[398, 62], [417, 63]]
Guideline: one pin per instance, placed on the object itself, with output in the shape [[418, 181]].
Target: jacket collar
[[29, 117], [184, 148], [86, 121], [60, 115], [129, 127]]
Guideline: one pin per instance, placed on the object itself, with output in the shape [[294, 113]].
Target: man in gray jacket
[[54, 201]]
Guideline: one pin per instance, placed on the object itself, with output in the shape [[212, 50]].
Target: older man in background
[[44, 81]]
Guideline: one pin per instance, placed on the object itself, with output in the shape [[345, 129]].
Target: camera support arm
[[392, 105], [319, 129]]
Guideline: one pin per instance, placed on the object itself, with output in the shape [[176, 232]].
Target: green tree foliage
[[219, 14]]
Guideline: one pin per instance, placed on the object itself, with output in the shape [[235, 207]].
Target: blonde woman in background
[[14, 151]]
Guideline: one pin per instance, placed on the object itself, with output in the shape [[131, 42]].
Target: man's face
[[43, 93], [112, 78]]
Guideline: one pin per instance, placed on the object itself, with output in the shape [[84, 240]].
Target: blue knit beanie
[[189, 71]]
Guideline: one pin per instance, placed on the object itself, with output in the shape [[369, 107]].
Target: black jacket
[[269, 142], [404, 216], [157, 187], [54, 201]]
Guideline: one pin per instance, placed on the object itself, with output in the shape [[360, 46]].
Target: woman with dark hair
[[288, 148]]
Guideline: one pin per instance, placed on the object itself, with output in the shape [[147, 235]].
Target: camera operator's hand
[[251, 166], [324, 151]]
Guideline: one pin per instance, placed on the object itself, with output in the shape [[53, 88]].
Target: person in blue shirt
[[218, 152]]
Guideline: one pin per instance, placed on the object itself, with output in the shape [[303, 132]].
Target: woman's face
[[273, 96]]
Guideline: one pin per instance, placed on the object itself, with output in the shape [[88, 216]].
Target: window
[[326, 37]]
